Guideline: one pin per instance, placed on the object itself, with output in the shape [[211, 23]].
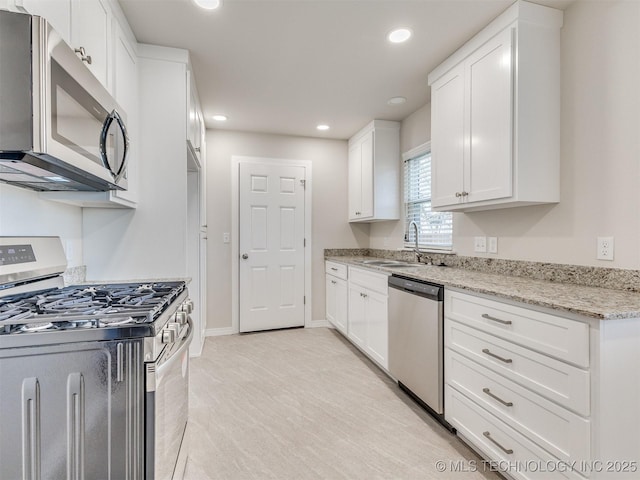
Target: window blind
[[435, 229]]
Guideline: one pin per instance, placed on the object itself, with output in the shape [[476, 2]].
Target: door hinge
[[303, 183]]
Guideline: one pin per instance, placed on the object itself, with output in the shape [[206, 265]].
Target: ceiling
[[284, 66]]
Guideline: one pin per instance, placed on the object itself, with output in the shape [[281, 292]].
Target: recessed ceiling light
[[220, 118], [399, 35], [323, 127], [396, 101], [208, 4]]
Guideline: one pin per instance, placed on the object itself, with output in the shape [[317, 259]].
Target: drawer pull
[[333, 282], [495, 397], [505, 360], [489, 317], [508, 451], [334, 269]]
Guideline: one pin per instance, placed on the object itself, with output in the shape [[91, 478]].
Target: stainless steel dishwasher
[[416, 344]]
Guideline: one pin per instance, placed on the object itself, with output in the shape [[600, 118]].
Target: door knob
[[245, 256]]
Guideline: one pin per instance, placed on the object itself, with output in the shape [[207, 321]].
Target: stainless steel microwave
[[60, 129]]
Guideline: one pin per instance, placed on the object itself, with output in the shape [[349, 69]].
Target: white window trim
[[421, 149]]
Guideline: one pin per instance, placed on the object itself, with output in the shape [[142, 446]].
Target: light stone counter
[[594, 302]]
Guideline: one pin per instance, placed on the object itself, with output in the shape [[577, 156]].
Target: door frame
[[235, 229]]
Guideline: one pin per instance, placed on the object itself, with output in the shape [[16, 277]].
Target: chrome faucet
[[416, 249]]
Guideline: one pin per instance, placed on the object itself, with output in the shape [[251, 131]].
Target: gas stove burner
[[115, 322], [145, 288], [89, 290], [36, 327]]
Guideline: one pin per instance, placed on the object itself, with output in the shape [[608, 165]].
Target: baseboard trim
[[318, 323], [217, 332]]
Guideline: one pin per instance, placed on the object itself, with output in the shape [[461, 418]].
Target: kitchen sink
[[389, 263]]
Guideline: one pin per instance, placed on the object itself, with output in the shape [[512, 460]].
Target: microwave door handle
[[103, 144]]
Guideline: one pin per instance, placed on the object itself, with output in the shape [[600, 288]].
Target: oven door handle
[[173, 357]]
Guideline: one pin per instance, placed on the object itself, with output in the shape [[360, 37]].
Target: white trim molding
[[218, 332], [322, 323], [416, 151], [235, 228]]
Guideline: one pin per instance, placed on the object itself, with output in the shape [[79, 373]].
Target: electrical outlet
[[226, 237], [605, 248], [493, 244], [480, 244]]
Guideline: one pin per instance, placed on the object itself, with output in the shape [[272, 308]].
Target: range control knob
[[168, 335], [187, 306], [180, 318]]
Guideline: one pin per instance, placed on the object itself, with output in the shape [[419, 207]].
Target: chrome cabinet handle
[[489, 317], [464, 194], [458, 194], [495, 397], [502, 359], [508, 451], [333, 282], [83, 55], [245, 256], [334, 269], [364, 295]]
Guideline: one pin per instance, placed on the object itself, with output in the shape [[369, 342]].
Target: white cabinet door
[[341, 305], [489, 159], [125, 90], [366, 174], [336, 302], [357, 329], [377, 340], [56, 12], [355, 182], [90, 30], [331, 289], [447, 144]]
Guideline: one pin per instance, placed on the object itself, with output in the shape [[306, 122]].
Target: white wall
[[23, 213], [600, 152], [150, 241], [330, 228], [414, 131]]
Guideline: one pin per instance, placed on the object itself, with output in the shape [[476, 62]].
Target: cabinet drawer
[[336, 269], [559, 431], [553, 379], [522, 459], [378, 282], [556, 336]]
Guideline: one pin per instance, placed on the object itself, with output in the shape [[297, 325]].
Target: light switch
[[480, 244], [493, 244]]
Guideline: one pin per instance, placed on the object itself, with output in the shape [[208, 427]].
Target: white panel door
[[377, 344], [367, 174], [447, 138], [355, 182], [272, 270], [489, 72]]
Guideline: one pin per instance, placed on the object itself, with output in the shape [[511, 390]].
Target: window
[[435, 229]]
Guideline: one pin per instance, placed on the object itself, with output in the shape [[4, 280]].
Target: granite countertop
[[594, 302]]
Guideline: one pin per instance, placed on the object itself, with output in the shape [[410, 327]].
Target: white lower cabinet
[[356, 305], [337, 292], [508, 397]]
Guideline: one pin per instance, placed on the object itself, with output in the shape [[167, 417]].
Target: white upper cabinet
[[91, 36], [84, 24], [57, 13], [374, 169], [496, 115], [195, 121]]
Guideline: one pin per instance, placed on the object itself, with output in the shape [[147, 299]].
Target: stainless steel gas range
[[93, 378]]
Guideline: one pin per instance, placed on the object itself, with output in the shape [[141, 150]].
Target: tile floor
[[306, 404]]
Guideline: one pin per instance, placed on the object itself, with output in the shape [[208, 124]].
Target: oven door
[[80, 121], [166, 412]]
